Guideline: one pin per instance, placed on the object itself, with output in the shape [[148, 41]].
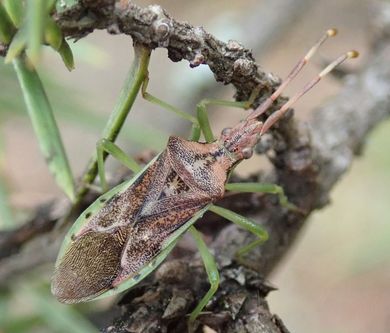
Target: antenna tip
[[352, 54], [331, 32]]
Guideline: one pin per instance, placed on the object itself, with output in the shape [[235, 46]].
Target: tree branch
[[230, 62], [308, 161]]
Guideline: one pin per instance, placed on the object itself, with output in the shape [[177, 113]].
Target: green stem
[[7, 29], [36, 21], [14, 10], [137, 74], [45, 125]]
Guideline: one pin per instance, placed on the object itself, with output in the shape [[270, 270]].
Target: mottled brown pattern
[[203, 166], [130, 230], [122, 208], [146, 239]]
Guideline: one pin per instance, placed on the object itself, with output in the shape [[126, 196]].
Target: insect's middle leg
[[105, 146], [262, 188], [244, 223], [212, 273]]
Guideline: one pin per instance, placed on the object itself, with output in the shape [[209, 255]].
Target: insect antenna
[[296, 69], [273, 118]]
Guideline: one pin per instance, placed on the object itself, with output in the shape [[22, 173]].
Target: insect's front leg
[[263, 188], [201, 111], [200, 123], [196, 126], [212, 273], [169, 107], [105, 146], [246, 224]]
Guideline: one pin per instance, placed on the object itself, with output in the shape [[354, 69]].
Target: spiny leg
[[244, 223], [262, 188], [105, 146], [212, 273]]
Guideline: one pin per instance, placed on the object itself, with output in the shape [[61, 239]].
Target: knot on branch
[[150, 26]]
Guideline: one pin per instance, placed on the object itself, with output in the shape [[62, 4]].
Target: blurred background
[[337, 276]]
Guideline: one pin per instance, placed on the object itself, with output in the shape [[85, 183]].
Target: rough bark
[[308, 161], [230, 62]]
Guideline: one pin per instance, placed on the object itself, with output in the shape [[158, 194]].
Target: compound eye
[[226, 131], [247, 153]]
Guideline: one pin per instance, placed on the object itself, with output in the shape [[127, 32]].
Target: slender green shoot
[[15, 11], [45, 126], [66, 54], [17, 46], [7, 29], [36, 21], [128, 94], [53, 34]]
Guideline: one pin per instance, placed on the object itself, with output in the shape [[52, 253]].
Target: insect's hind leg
[[212, 273], [105, 146], [246, 224], [263, 188]]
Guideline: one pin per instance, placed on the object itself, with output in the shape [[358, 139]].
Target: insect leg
[[211, 270], [195, 129], [262, 188], [244, 223], [152, 99], [105, 146], [201, 122], [202, 114]]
